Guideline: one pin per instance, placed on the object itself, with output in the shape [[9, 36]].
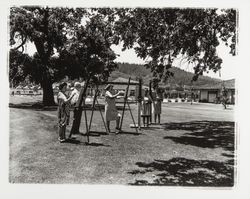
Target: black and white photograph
[[138, 97]]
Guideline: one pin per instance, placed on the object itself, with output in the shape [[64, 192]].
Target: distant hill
[[180, 77]]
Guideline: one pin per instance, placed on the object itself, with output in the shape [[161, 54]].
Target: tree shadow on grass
[[99, 132], [128, 133], [33, 106], [78, 142], [205, 134], [186, 172], [95, 133]]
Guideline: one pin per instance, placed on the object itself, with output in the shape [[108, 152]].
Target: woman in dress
[[63, 111], [145, 112], [111, 112], [157, 101]]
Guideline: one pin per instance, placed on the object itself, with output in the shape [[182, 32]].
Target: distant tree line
[[180, 77]]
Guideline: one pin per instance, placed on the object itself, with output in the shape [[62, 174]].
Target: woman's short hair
[[62, 85], [77, 85]]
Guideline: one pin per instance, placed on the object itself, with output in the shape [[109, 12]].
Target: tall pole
[[106, 128], [124, 105], [86, 121], [139, 103], [150, 94], [132, 117], [93, 108]]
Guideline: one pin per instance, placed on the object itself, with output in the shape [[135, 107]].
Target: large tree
[[72, 42], [48, 28]]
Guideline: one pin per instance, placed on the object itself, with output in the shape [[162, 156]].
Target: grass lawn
[[194, 146]]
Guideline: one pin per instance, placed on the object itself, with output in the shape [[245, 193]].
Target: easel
[[95, 101], [124, 105], [81, 106]]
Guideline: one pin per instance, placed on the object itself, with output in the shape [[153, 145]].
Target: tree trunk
[[46, 83], [48, 95]]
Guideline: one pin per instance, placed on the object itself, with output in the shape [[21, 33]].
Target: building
[[133, 89], [118, 87], [179, 93], [26, 90], [212, 92]]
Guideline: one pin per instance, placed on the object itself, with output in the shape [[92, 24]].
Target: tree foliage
[[90, 50], [72, 42], [18, 69], [159, 36], [48, 28]]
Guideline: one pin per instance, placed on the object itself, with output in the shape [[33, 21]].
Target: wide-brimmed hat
[[108, 86]]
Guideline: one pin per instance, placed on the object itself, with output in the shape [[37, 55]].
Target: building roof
[[228, 84], [123, 87], [124, 80]]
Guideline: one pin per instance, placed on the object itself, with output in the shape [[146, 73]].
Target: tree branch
[[23, 42]]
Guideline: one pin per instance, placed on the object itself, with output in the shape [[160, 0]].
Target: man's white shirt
[[74, 99]]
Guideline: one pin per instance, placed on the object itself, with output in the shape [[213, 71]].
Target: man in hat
[[111, 112], [63, 111]]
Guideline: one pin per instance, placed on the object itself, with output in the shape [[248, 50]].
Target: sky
[[228, 69]]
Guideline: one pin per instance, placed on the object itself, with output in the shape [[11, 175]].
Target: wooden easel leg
[[125, 100], [102, 116], [132, 117], [139, 115], [86, 123], [92, 112]]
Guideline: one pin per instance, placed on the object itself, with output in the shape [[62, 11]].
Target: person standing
[[145, 112], [111, 112], [75, 92], [224, 97], [63, 111], [157, 101]]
